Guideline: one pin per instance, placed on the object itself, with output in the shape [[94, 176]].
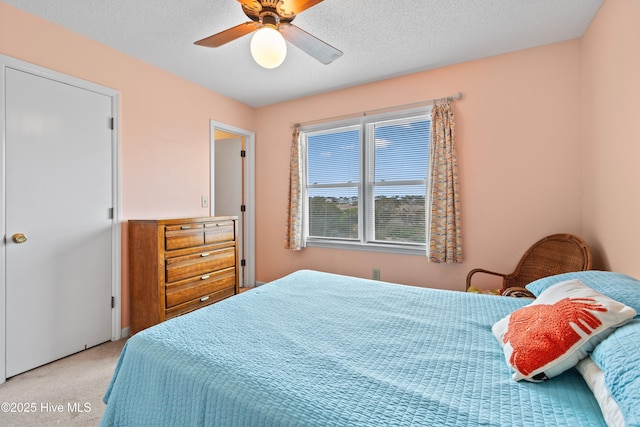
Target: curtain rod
[[457, 96]]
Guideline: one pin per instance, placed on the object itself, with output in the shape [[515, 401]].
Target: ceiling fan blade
[[289, 7], [297, 6], [226, 36], [315, 47]]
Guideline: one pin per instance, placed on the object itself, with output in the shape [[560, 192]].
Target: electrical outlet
[[375, 274], [205, 201]]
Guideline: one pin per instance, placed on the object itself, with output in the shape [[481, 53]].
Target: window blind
[[366, 181]]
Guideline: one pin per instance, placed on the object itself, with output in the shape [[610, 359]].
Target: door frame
[[249, 277], [7, 62]]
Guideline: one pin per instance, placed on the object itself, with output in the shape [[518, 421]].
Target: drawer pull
[[205, 277], [185, 227], [205, 254], [203, 299]]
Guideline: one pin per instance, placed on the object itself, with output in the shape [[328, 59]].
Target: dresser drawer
[[198, 303], [215, 232], [183, 267], [183, 236], [196, 288]]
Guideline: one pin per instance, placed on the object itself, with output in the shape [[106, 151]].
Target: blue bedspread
[[317, 349]]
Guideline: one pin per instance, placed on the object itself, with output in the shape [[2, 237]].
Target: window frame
[[365, 186]]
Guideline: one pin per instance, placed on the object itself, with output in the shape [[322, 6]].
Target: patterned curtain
[[294, 218], [444, 231]]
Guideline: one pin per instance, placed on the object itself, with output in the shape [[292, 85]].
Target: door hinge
[[110, 213], [112, 123], [243, 263], [113, 302], [243, 208], [243, 153]]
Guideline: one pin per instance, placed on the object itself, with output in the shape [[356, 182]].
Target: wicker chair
[[555, 254]]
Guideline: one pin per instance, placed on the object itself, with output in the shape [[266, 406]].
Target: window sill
[[370, 247]]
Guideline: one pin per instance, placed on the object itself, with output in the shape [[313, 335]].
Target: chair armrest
[[482, 270], [518, 292]]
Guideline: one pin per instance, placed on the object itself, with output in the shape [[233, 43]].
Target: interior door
[[243, 172], [229, 185], [58, 192]]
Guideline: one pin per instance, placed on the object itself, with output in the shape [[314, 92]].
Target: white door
[[58, 193], [236, 174], [228, 192]]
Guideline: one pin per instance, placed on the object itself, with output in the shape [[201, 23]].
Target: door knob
[[19, 238]]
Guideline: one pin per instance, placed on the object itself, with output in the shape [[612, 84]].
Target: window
[[366, 182]]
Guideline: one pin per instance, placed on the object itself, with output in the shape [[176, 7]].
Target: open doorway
[[232, 167]]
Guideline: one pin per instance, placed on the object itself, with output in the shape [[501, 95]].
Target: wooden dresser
[[179, 265]]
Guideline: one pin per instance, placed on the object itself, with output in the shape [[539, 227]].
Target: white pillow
[[594, 377], [558, 329]]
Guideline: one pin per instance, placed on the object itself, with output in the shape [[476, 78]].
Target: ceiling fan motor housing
[[269, 18], [265, 11]]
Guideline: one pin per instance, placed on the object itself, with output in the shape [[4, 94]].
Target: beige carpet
[[67, 392]]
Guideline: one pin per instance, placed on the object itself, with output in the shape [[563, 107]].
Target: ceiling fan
[[276, 15]]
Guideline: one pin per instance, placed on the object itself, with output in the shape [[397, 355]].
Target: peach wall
[[518, 132], [164, 120], [611, 133]]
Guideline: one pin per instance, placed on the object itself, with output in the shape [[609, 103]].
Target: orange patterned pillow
[[557, 330]]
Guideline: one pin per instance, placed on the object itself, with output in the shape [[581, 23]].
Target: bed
[[320, 349]]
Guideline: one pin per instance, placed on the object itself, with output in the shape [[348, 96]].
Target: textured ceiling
[[379, 38]]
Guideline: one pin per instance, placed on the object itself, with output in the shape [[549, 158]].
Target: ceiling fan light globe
[[268, 47]]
